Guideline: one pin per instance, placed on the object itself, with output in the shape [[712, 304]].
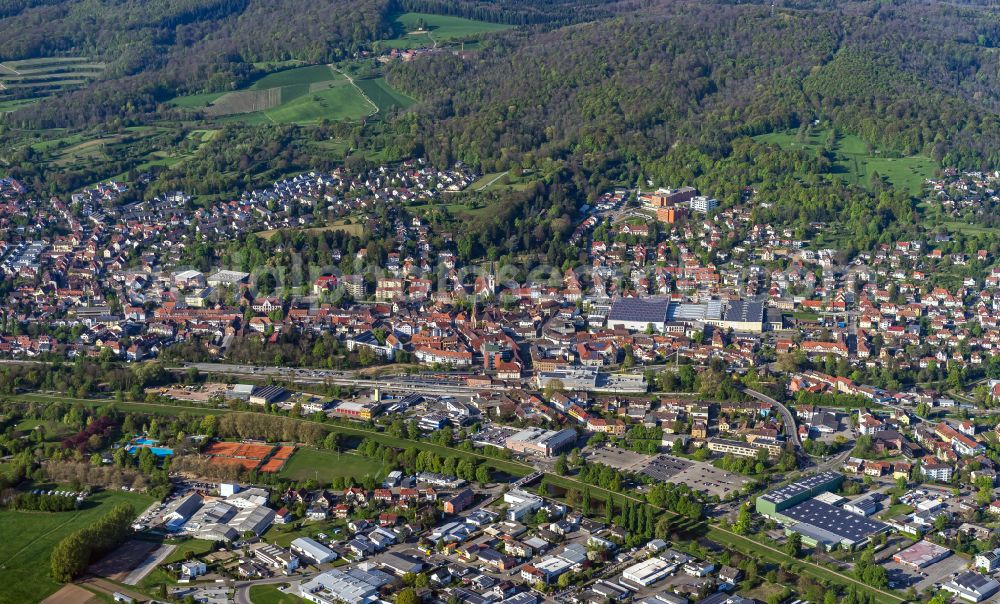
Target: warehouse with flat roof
[[776, 500], [823, 524]]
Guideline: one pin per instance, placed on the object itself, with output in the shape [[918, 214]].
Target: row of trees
[[71, 556], [42, 502]]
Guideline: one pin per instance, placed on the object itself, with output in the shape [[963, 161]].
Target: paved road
[[791, 431], [243, 587], [146, 566]]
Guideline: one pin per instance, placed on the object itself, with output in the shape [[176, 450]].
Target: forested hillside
[[632, 87]]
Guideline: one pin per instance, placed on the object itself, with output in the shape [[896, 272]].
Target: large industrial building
[[546, 443], [638, 314], [802, 508], [335, 586], [780, 499]]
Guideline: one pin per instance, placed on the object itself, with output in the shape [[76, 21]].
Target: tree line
[[71, 556]]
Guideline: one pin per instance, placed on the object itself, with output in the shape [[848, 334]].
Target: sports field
[[324, 466], [28, 539], [437, 30], [855, 161]]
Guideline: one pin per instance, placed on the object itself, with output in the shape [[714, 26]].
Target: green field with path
[[28, 538]]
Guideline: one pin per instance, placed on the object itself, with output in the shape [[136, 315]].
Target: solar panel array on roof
[[744, 312], [834, 520], [793, 489], [642, 310]]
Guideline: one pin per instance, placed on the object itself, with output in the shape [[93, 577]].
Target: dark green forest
[[582, 94]]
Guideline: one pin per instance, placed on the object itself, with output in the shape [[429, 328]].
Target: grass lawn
[[352, 229], [158, 576], [438, 29], [855, 163], [155, 408], [304, 95], [28, 539], [763, 591], [338, 102], [196, 101], [895, 510], [269, 594], [383, 95], [301, 76], [284, 534], [324, 466]]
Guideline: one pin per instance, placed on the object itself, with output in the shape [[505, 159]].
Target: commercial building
[[276, 557], [988, 561], [820, 523], [972, 587], [921, 554], [228, 278], [312, 550], [742, 449], [521, 503], [638, 314], [338, 587], [782, 498], [649, 571], [537, 441], [265, 395], [703, 204]]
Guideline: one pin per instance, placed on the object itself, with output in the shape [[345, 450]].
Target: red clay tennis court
[[249, 464], [273, 465], [284, 452]]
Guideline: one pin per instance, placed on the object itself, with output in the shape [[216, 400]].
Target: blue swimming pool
[[145, 441], [157, 451]]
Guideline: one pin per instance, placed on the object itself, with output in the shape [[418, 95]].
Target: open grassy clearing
[[28, 539], [298, 95], [7, 106], [383, 95], [438, 29], [324, 466], [270, 594], [136, 407], [855, 161], [339, 102], [352, 229]]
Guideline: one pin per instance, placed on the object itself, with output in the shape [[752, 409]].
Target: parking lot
[[618, 458], [699, 475]]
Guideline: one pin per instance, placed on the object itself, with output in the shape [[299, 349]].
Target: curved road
[[791, 431]]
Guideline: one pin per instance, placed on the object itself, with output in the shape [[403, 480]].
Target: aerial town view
[[500, 302]]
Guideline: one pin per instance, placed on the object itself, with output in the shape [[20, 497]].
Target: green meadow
[[855, 161]]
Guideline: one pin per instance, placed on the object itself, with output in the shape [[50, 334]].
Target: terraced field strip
[[245, 101]]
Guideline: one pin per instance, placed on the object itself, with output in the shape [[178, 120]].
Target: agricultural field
[[324, 466], [855, 161], [46, 76], [383, 95], [30, 536], [437, 30], [297, 95]]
